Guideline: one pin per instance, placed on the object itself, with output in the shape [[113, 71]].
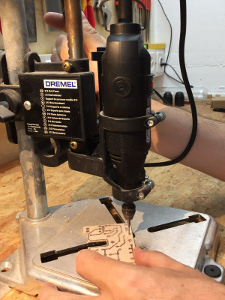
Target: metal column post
[[15, 39], [74, 28]]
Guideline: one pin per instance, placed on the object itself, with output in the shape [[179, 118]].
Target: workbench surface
[[176, 186]]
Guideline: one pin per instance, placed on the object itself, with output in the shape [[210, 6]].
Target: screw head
[[141, 196], [150, 123], [27, 105], [67, 66], [73, 145], [151, 183]]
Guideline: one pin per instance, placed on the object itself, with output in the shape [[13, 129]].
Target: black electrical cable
[[171, 31], [178, 76], [183, 20], [179, 80]]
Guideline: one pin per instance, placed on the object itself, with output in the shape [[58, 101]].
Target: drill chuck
[[128, 210]]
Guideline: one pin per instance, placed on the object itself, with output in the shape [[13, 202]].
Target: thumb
[[155, 259], [104, 272]]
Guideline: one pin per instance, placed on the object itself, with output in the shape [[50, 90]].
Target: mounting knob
[[11, 99], [6, 115], [10, 111]]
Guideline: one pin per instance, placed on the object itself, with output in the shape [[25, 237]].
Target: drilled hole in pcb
[[6, 267]]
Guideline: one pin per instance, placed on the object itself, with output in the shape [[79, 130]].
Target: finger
[[55, 57], [154, 259], [62, 47], [47, 290], [55, 20], [50, 292], [101, 270]]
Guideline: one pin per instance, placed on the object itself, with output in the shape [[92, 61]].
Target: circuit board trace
[[120, 242]]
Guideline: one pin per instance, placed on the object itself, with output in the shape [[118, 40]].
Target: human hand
[[155, 276]]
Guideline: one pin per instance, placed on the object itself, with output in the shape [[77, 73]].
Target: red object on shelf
[[147, 4], [143, 1], [88, 11]]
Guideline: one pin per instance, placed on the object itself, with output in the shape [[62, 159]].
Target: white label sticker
[[60, 84]]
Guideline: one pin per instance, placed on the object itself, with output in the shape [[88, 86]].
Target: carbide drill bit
[[128, 224]]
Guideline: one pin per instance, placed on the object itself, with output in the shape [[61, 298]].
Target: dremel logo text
[[60, 84]]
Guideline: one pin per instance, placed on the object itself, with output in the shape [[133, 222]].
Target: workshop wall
[[205, 42], [46, 39], [205, 45]]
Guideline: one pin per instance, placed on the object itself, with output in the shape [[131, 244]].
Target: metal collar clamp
[[124, 124]]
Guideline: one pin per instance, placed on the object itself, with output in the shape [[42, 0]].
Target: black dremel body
[[126, 94]]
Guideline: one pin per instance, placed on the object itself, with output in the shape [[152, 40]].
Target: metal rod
[[125, 11], [74, 28], [15, 36], [15, 39], [33, 175]]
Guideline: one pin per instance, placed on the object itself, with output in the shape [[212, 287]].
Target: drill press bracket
[[188, 237]]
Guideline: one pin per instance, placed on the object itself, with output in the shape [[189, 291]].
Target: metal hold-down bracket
[[192, 242]]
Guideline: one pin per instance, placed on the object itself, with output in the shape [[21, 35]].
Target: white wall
[[205, 42]]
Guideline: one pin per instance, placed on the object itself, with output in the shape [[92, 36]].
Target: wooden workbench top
[[176, 186]]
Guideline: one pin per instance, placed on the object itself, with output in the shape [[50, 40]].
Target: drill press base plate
[[188, 237]]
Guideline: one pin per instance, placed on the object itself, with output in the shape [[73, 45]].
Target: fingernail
[[142, 248], [138, 249]]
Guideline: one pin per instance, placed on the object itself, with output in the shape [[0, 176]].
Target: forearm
[[171, 137]]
